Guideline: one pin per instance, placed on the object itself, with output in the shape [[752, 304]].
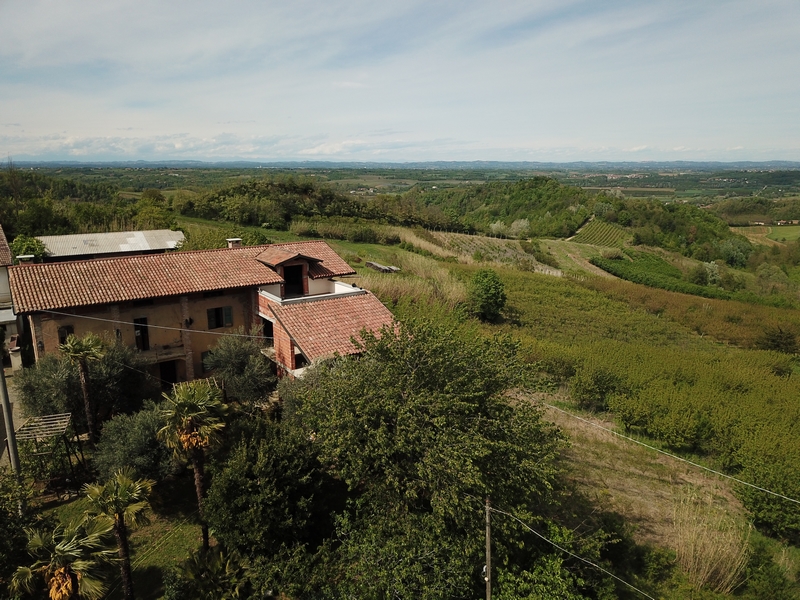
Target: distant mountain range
[[465, 165]]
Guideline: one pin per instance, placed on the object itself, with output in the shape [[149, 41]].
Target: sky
[[366, 80]]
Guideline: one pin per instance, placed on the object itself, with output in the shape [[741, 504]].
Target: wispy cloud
[[434, 79]]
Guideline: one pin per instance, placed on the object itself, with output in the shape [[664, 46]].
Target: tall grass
[[422, 279], [712, 548]]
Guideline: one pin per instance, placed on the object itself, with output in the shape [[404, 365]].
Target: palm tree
[[69, 561], [121, 501], [194, 417], [80, 351]]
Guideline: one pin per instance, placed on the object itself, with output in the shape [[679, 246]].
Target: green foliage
[[534, 248], [130, 440], [208, 238], [25, 245], [70, 561], [213, 574], [778, 339], [419, 431], [245, 374], [592, 386], [487, 296], [270, 493], [764, 578], [13, 538], [651, 270], [683, 228], [193, 417], [118, 383], [737, 408], [551, 209]]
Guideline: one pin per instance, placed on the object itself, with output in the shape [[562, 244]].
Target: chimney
[[25, 258], [234, 242]]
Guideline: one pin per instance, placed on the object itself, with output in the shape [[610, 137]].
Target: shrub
[[487, 296], [778, 339], [245, 374], [592, 386], [363, 235], [130, 440]]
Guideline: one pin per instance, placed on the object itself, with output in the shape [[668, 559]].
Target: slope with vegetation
[[380, 466]]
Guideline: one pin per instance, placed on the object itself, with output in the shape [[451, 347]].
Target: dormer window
[[293, 276]]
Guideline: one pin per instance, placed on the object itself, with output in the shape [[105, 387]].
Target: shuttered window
[[220, 317]]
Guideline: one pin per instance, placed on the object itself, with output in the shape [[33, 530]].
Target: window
[[65, 331], [220, 317]]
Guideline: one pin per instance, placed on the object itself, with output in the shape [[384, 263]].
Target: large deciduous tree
[[123, 502], [420, 430], [194, 417]]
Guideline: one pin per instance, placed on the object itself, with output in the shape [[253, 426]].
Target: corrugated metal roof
[[111, 243]]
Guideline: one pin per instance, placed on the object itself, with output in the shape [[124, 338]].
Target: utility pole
[[11, 436], [8, 417], [488, 573]]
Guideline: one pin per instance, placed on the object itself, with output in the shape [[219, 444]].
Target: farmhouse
[[172, 307]]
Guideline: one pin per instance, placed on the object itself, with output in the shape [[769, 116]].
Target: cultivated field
[[600, 233]]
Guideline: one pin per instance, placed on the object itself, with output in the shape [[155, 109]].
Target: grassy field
[[172, 534], [784, 233]]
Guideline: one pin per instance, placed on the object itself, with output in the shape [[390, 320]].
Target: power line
[[572, 554], [674, 456], [220, 333]]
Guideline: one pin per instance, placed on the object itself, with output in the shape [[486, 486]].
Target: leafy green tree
[[123, 501], [487, 296], [69, 561], [271, 493], [193, 420], [132, 440], [80, 351], [26, 245], [245, 373], [593, 385], [420, 431], [117, 381]]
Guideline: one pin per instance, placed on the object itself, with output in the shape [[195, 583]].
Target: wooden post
[[488, 550]]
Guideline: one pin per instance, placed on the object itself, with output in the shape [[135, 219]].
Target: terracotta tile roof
[[5, 251], [275, 255], [332, 264], [323, 327], [51, 286]]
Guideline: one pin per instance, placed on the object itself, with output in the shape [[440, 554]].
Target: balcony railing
[[340, 290]]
